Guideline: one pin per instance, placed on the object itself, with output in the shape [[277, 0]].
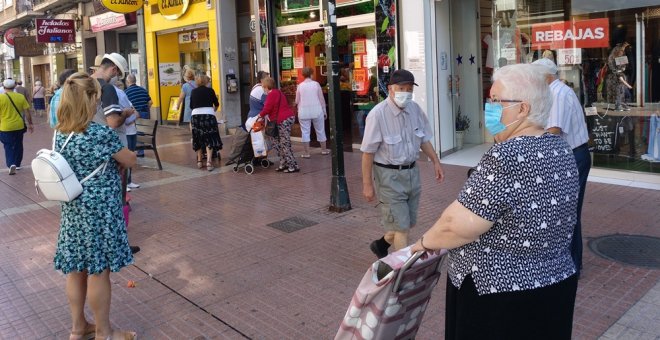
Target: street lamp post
[[339, 200]]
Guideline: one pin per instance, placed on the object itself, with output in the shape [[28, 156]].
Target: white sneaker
[[133, 185], [128, 189], [12, 170]]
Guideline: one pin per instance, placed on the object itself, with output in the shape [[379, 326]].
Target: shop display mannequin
[[617, 83]]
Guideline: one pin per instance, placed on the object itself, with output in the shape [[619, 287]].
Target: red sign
[[56, 31], [10, 34], [571, 34]]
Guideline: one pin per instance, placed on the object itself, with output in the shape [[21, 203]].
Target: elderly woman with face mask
[[510, 271]]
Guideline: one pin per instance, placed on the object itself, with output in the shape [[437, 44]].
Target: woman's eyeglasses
[[499, 101]]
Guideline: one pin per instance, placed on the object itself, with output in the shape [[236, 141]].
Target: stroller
[[243, 152]]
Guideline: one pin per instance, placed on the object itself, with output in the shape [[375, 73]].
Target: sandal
[[325, 152], [122, 335], [280, 168], [89, 333], [209, 166], [200, 164], [291, 170]]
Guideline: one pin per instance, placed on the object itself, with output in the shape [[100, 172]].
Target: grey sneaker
[[12, 170], [133, 185]]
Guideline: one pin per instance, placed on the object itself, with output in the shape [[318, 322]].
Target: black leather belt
[[396, 167], [585, 145]]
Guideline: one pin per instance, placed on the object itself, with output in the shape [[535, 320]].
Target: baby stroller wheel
[[249, 169], [265, 163], [235, 168]]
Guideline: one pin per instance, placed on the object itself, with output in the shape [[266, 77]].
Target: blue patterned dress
[[93, 232]]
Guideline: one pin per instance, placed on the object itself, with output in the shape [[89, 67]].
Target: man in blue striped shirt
[[140, 99], [567, 120]]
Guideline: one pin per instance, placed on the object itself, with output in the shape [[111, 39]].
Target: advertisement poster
[[173, 113], [298, 62], [169, 74], [287, 52], [287, 63], [360, 80]]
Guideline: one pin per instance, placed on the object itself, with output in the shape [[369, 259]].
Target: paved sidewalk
[[212, 268]]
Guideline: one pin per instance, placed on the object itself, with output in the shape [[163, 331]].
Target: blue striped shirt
[[567, 114], [139, 97]]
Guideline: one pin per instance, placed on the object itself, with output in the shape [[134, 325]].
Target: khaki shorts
[[398, 192]]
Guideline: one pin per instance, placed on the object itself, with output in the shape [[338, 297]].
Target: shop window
[[358, 70], [194, 51], [291, 12], [609, 56]]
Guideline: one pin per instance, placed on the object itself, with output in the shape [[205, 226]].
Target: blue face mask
[[493, 113]]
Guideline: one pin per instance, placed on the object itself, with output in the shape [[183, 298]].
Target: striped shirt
[[139, 97], [567, 114], [393, 135]]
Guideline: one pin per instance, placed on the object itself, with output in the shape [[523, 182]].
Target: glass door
[[464, 82]]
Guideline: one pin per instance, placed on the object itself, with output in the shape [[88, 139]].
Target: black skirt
[[205, 132], [542, 313]]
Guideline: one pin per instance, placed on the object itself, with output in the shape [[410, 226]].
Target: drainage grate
[[292, 224], [636, 250]]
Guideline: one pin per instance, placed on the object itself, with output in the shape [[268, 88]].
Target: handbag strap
[[103, 166], [15, 107], [279, 103]]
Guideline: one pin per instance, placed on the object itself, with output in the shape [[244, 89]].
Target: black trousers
[[542, 313]]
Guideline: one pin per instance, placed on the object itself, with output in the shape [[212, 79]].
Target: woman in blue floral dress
[[92, 241]]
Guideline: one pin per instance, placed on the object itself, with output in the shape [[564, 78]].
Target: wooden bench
[[146, 137]]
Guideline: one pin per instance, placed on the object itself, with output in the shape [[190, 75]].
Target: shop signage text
[[592, 33], [56, 31], [107, 21], [173, 9], [123, 6], [63, 48]]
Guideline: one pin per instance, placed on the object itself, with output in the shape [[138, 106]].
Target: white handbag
[[53, 176], [310, 112]]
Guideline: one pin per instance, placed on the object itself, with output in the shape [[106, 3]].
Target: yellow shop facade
[[179, 34]]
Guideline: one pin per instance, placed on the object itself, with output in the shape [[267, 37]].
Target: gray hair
[[130, 79], [527, 83]]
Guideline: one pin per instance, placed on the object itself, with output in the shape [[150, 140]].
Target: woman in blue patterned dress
[[92, 241], [510, 270]]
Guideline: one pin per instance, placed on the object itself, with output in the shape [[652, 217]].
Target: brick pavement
[[210, 267]]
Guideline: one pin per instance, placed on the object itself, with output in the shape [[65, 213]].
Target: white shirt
[[309, 95], [393, 135], [124, 103], [567, 114]]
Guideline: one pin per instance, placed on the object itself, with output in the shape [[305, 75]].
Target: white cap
[[548, 64], [119, 61], [97, 62], [9, 83]]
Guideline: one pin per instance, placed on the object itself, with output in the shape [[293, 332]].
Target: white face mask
[[402, 99]]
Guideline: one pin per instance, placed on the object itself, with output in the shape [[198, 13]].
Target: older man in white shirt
[[567, 120], [395, 131]]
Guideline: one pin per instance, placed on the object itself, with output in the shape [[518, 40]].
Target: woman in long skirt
[[204, 103]]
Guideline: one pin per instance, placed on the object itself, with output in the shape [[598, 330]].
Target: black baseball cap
[[402, 77]]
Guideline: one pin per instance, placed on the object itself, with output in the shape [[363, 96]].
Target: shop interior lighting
[[312, 14]]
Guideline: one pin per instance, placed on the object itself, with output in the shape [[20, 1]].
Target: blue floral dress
[[93, 232]]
